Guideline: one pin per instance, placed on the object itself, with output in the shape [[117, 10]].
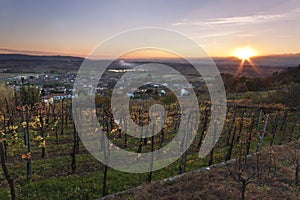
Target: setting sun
[[245, 53]]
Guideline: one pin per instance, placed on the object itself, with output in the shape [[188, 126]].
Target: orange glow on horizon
[[149, 54]]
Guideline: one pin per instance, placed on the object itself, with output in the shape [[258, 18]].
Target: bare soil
[[276, 180]]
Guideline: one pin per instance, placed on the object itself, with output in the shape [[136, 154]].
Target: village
[[57, 86]]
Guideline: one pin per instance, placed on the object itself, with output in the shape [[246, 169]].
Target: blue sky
[[75, 27]]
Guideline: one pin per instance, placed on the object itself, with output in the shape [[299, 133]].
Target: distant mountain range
[[24, 57], [288, 60], [21, 63], [282, 60]]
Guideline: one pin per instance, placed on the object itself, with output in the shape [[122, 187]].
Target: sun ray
[[240, 68], [254, 66]]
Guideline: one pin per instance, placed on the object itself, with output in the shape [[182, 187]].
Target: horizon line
[[6, 51]]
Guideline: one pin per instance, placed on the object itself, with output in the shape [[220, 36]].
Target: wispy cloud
[[225, 34], [244, 20], [232, 20]]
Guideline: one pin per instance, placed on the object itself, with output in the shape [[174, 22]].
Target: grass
[[217, 184], [53, 179]]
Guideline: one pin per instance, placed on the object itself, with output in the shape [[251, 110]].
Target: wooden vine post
[[6, 173], [27, 141]]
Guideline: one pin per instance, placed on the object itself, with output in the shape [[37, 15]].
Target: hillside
[[287, 60], [20, 63], [275, 181]]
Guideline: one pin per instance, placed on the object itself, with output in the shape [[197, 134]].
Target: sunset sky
[[75, 27]]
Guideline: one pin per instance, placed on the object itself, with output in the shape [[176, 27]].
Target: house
[[48, 99], [184, 92], [60, 96], [57, 97]]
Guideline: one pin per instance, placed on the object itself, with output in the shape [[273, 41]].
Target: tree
[[29, 95], [239, 174]]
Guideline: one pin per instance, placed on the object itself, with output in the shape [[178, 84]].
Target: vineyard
[[150, 100], [43, 157]]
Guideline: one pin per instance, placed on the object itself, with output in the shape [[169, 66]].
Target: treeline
[[276, 80]]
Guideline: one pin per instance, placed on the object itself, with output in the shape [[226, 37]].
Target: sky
[[75, 27]]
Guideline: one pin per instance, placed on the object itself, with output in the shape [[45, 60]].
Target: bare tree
[[239, 174]]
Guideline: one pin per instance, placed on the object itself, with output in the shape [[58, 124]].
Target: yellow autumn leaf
[[23, 124]]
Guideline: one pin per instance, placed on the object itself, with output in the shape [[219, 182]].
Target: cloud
[[225, 34], [244, 20], [231, 20]]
